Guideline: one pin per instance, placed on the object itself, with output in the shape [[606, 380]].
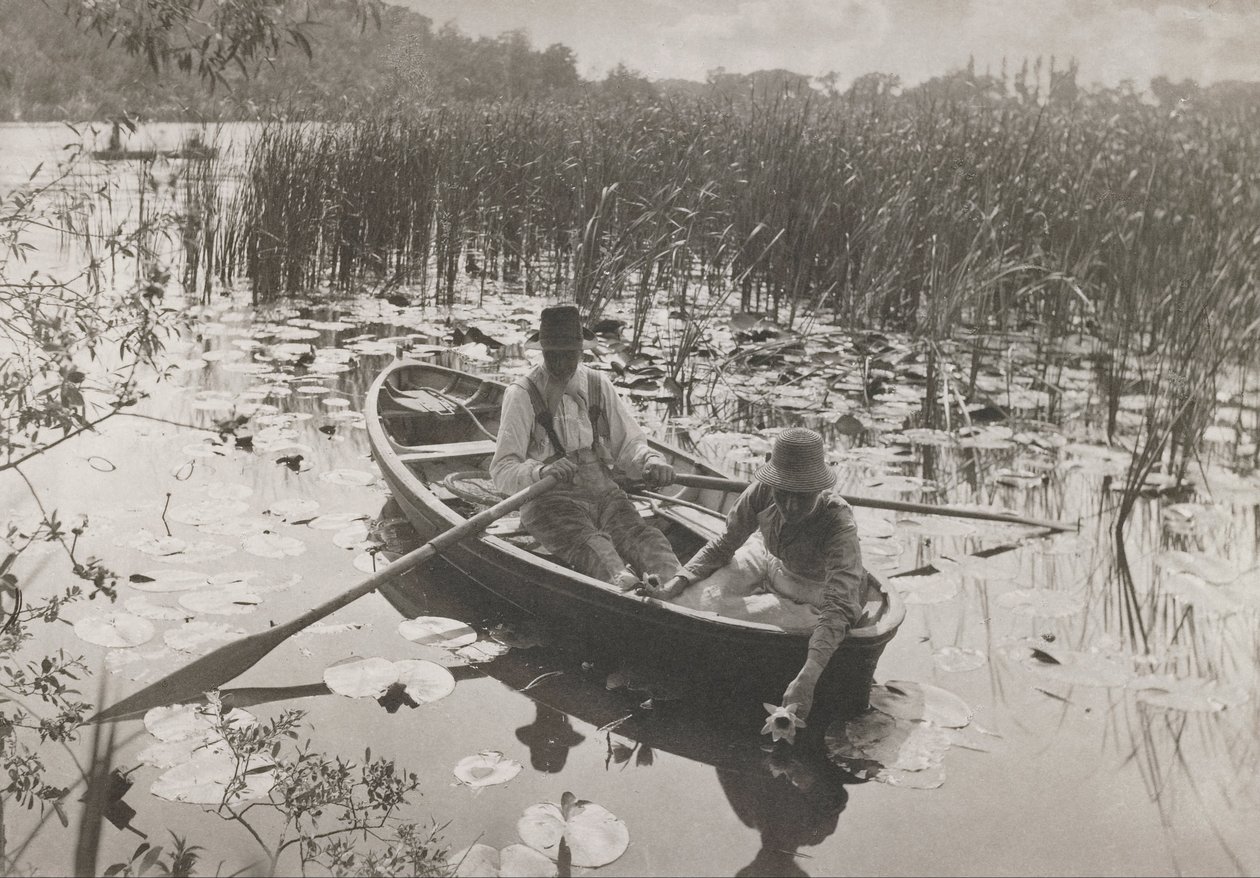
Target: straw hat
[[797, 463], [561, 330]]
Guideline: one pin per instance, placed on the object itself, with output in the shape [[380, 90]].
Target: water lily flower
[[782, 722]]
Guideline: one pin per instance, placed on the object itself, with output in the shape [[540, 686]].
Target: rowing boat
[[431, 431]]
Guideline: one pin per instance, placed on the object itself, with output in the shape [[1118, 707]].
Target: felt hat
[[798, 462], [561, 330]]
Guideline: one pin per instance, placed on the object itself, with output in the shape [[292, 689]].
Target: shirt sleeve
[[741, 522], [626, 440], [845, 577], [512, 469]]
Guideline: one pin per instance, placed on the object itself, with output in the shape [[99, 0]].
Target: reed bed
[[1100, 213]]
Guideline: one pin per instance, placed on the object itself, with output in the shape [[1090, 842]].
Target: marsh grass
[[1092, 213]]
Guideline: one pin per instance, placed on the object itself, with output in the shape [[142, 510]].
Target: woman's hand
[[671, 588], [801, 692]]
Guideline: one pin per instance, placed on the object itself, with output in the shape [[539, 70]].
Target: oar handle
[[735, 486], [418, 556]]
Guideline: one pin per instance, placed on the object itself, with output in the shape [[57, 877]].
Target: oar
[[735, 486], [230, 661]]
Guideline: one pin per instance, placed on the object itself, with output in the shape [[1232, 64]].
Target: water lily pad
[[958, 659], [353, 537], [168, 754], [159, 581], [487, 768], [514, 861], [270, 545], [1191, 694], [197, 552], [1193, 590], [114, 629], [1074, 668], [482, 651], [145, 541], [237, 527], [437, 631], [294, 509], [198, 637], [424, 681], [370, 562], [1211, 568], [336, 520], [203, 780], [594, 835], [207, 511], [349, 477], [361, 678], [182, 722], [222, 601], [934, 588], [1042, 602], [920, 702], [140, 606], [897, 746]]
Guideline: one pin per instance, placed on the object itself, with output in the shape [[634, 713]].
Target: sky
[[1113, 40]]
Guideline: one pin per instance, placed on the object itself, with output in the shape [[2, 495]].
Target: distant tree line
[[57, 62]]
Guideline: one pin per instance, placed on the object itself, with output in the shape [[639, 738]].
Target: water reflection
[[549, 737], [792, 803]]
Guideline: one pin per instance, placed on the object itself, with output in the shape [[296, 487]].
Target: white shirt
[[523, 444]]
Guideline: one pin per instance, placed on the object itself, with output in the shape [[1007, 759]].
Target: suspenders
[[594, 409]]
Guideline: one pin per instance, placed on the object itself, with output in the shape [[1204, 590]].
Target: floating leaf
[[514, 861], [1188, 693], [237, 527], [335, 520], [221, 602], [487, 768], [958, 660], [920, 702], [934, 588], [140, 606], [294, 509], [196, 637], [181, 722], [146, 542], [114, 629], [437, 631], [349, 477], [269, 545], [361, 678], [207, 511], [353, 537], [1041, 602], [482, 651], [168, 754], [424, 681], [204, 779], [1075, 668], [594, 836]]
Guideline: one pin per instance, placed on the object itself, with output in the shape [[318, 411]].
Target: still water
[[1070, 765]]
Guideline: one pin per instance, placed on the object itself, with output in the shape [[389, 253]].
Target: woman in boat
[[786, 535], [564, 419]]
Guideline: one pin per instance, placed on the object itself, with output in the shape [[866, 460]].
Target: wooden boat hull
[[753, 658]]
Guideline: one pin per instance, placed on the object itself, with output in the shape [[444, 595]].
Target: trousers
[[593, 527], [755, 585]]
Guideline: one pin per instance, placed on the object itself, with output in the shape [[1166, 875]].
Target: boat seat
[[447, 451], [421, 399]]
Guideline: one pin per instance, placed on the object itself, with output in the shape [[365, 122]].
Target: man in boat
[[564, 419], [787, 535]]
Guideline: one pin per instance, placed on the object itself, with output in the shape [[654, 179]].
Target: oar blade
[[208, 672]]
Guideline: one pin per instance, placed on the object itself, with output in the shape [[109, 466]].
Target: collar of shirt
[[541, 377]]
